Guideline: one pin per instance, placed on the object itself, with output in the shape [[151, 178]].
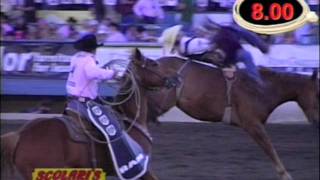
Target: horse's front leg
[[258, 133]]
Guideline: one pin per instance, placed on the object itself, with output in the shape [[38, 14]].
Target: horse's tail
[[9, 142]]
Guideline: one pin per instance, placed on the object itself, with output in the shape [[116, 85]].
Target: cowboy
[[223, 50], [83, 78], [82, 89], [175, 41]]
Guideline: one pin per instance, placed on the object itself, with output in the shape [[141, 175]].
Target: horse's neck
[[131, 108], [284, 87], [175, 63]]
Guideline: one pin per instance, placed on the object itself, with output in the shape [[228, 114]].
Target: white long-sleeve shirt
[[195, 46], [150, 8], [84, 76]]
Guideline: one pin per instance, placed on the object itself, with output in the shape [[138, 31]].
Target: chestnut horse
[[46, 143], [201, 93]]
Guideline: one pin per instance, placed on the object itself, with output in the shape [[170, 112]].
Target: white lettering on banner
[[24, 58], [279, 56], [40, 63], [51, 63], [10, 62], [16, 62]]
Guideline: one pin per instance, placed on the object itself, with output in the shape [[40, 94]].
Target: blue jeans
[[245, 57]]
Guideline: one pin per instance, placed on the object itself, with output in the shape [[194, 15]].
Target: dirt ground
[[207, 151], [194, 151]]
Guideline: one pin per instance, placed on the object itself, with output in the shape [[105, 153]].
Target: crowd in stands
[[48, 29], [19, 22]]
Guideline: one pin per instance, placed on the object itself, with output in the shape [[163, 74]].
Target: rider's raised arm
[[93, 71], [252, 38]]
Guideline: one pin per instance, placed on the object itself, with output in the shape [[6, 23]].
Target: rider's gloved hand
[[117, 74]]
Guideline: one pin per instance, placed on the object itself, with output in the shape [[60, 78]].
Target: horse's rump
[[76, 127]]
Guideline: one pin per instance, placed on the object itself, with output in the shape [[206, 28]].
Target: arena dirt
[[205, 151]]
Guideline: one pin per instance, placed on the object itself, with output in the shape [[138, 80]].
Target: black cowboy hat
[[87, 43]]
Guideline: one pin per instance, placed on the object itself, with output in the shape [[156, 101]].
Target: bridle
[[151, 71], [169, 82]]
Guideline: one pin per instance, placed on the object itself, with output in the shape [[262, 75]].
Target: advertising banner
[[53, 58], [35, 58]]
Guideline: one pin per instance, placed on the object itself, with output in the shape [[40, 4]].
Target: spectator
[[102, 33], [32, 32], [43, 29], [187, 11], [314, 5], [144, 36], [202, 5], [68, 31], [115, 35], [124, 7], [92, 26], [28, 9], [226, 4], [169, 5], [285, 38], [20, 29], [15, 13], [6, 6], [131, 33], [303, 35], [111, 10], [104, 25], [6, 28], [99, 9], [89, 27], [148, 11]]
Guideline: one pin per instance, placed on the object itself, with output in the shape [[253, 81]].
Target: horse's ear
[[137, 55], [315, 74]]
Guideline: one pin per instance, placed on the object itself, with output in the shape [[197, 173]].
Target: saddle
[[76, 126]]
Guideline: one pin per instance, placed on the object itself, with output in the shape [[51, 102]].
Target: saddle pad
[[130, 162]]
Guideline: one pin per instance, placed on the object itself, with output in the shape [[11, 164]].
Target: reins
[[175, 81]]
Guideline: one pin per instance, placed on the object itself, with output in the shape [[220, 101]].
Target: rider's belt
[[80, 99]]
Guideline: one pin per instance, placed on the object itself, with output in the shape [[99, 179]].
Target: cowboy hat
[[87, 43], [169, 37]]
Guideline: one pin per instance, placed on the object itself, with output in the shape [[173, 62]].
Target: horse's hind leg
[[259, 134]]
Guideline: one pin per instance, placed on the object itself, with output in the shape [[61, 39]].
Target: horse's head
[[309, 98], [148, 72]]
